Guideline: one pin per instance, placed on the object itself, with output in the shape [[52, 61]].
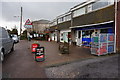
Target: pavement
[[53, 56], [102, 67], [21, 63]]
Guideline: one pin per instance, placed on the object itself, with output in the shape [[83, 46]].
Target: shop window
[[104, 31], [86, 34]]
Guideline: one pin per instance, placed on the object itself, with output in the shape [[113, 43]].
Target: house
[[40, 25]]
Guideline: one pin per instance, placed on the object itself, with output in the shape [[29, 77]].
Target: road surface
[[21, 64]]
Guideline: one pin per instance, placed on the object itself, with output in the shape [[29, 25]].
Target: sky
[[33, 10]]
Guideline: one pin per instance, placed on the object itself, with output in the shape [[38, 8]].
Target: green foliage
[[14, 31], [23, 38], [24, 35]]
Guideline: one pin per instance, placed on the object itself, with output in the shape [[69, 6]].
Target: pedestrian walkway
[[53, 57]]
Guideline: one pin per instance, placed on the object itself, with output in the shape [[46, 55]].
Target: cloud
[[42, 0], [32, 10], [35, 10]]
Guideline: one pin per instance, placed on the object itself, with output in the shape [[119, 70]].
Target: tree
[[14, 31], [24, 33]]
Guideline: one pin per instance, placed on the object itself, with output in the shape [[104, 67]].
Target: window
[[104, 31], [100, 4], [89, 8], [111, 2], [59, 20], [79, 12], [68, 17]]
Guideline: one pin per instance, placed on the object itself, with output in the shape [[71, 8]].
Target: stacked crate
[[95, 44], [111, 47], [102, 44]]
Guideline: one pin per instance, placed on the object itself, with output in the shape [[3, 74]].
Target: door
[[79, 38]]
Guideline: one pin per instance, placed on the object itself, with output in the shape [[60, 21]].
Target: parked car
[[6, 43], [15, 38]]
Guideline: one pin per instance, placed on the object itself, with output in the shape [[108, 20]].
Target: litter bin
[[39, 54], [34, 46]]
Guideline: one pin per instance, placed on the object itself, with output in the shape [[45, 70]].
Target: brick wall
[[118, 28]]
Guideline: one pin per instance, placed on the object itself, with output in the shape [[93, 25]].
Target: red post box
[[34, 46]]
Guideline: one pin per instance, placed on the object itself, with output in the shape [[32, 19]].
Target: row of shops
[[83, 34], [99, 37], [98, 24]]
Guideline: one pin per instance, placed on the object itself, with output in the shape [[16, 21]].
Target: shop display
[[110, 48], [102, 44]]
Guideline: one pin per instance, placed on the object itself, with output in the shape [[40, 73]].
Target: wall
[[99, 16], [64, 25], [118, 28]]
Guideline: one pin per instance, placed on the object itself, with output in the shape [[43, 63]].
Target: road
[[102, 67], [21, 64]]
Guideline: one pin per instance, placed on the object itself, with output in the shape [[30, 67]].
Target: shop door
[[65, 36], [79, 38]]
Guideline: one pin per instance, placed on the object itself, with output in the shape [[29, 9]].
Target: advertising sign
[[39, 55]]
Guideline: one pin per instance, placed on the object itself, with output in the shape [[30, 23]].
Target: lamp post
[[20, 20]]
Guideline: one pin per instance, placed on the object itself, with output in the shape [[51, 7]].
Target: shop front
[[54, 36], [85, 33], [65, 36]]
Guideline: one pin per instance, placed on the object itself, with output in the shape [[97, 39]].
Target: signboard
[[28, 24], [39, 55]]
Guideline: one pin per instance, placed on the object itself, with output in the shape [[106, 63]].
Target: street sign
[[28, 24]]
